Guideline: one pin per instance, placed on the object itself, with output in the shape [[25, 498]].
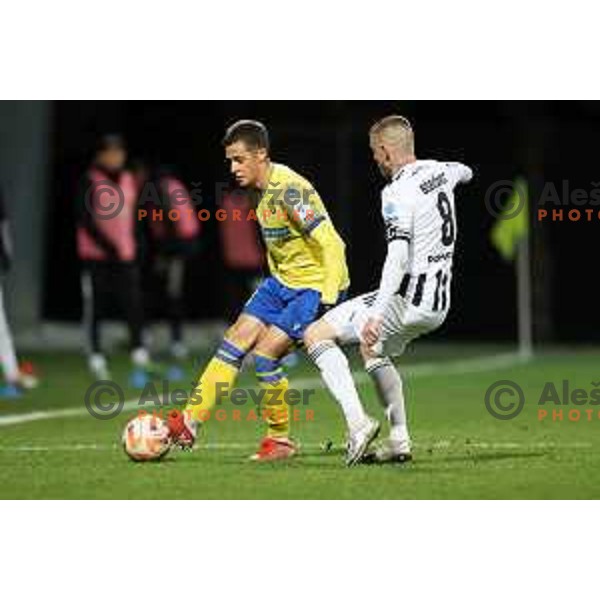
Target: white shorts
[[402, 322]]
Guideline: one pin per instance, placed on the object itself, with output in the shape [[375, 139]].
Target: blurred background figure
[[171, 234], [107, 247], [16, 379], [242, 251]]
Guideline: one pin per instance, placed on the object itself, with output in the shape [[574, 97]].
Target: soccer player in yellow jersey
[[307, 271]]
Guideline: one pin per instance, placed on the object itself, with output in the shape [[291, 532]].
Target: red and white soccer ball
[[146, 437]]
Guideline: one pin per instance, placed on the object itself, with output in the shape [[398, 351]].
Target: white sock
[[335, 371], [179, 350], [389, 389], [98, 366], [8, 357], [140, 357]]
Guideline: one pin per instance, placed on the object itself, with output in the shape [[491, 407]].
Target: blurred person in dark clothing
[[243, 254], [107, 247], [17, 379], [172, 235]]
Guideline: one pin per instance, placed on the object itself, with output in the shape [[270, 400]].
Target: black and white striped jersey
[[418, 207]]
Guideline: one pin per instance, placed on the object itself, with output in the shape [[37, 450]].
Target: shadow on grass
[[486, 456]]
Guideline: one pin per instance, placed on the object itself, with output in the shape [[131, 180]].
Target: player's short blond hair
[[396, 131]]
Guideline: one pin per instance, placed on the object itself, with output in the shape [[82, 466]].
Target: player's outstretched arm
[[334, 260], [394, 268], [459, 173], [396, 263]]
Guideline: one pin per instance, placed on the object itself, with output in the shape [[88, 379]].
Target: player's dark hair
[[253, 133], [109, 141]]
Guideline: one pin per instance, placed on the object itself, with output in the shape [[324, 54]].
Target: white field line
[[438, 445], [465, 366]]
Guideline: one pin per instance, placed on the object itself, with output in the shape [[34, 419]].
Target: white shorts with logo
[[402, 322]]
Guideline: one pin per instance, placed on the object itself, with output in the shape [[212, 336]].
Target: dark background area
[[328, 143]]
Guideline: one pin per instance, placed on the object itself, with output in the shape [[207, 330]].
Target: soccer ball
[[145, 438]]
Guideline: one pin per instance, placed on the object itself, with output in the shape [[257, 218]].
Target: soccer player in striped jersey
[[308, 270], [414, 292]]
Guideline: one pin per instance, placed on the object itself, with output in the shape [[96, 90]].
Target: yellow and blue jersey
[[289, 213], [305, 253]]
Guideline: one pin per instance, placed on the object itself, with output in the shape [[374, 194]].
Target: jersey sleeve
[[303, 206], [458, 173], [393, 271], [398, 215], [397, 210]]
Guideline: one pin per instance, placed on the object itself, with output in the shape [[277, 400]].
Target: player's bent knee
[[273, 342], [369, 353], [245, 331], [318, 332]]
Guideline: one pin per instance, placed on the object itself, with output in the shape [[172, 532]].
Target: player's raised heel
[[182, 430], [272, 449], [359, 440], [387, 452]]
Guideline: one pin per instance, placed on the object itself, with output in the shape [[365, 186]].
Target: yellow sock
[[272, 379], [217, 379]]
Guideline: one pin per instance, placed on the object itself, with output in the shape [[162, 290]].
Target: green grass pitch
[[460, 450]]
